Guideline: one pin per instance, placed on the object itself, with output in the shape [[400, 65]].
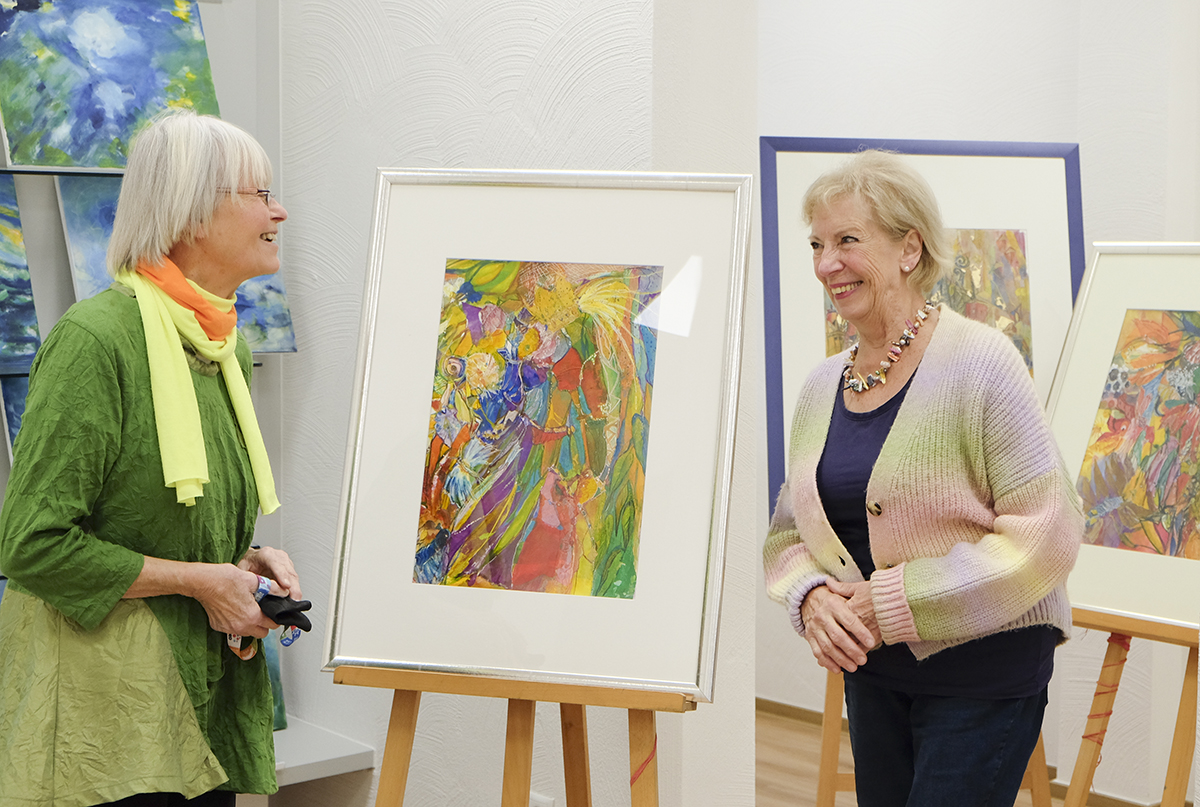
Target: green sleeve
[[70, 437]]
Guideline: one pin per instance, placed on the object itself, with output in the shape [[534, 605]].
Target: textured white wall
[[1118, 79], [472, 83], [704, 113]]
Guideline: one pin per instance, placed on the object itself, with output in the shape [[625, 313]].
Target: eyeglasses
[[262, 193]]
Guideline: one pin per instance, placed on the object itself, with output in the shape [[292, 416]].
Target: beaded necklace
[[855, 382]]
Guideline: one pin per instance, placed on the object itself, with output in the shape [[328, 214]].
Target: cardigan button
[[874, 508]]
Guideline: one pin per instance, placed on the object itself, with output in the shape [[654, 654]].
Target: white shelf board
[[304, 752]]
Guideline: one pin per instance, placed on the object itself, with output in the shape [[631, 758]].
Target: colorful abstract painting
[[19, 336], [78, 78], [1139, 482], [14, 389], [989, 283], [89, 204], [264, 315], [539, 428]]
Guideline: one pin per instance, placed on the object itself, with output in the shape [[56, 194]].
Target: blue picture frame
[[1054, 163]]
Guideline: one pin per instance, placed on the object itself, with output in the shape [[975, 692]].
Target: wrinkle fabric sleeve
[[69, 439]]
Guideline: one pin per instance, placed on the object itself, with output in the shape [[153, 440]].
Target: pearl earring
[[904, 269]]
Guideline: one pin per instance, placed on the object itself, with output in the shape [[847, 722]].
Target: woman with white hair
[[137, 478]]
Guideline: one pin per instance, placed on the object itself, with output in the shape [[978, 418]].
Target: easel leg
[[643, 759], [1179, 765], [1097, 723], [1037, 776], [397, 753], [518, 754], [575, 755], [831, 740]]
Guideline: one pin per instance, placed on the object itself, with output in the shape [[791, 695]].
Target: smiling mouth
[[838, 290], [268, 237]]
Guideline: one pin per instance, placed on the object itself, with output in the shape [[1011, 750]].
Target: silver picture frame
[[696, 227]]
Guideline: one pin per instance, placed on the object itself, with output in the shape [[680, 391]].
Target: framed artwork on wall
[[1012, 208], [540, 453], [19, 334], [1124, 411], [78, 79]]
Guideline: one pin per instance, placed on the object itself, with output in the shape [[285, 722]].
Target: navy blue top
[[1014, 664]]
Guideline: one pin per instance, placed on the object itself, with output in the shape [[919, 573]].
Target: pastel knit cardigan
[[977, 524]]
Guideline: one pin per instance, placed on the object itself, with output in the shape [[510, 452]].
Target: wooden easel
[[522, 697], [1122, 629], [831, 781]]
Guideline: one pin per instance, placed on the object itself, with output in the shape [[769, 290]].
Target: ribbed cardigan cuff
[[892, 613], [795, 598]]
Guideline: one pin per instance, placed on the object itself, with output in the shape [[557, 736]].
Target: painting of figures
[[78, 79], [1140, 480], [19, 336], [989, 283], [539, 428]]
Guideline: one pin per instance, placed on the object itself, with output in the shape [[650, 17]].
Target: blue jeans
[[929, 750]]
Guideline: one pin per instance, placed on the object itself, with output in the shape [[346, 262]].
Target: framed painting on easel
[[538, 477], [1015, 214], [1124, 411]]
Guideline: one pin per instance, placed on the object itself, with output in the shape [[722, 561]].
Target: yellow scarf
[[176, 414]]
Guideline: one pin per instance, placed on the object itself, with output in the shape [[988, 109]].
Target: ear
[[911, 248]]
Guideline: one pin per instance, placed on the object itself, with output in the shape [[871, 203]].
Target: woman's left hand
[[275, 564], [858, 597]]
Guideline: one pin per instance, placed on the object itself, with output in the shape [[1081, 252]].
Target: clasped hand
[[228, 591], [839, 623]]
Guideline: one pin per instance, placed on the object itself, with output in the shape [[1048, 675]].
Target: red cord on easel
[[1119, 639], [638, 773]]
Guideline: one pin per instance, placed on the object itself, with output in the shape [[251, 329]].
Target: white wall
[[1121, 80], [587, 84]]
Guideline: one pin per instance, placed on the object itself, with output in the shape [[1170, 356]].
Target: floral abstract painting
[[1139, 482], [89, 204], [989, 283], [539, 428], [77, 79], [19, 335]]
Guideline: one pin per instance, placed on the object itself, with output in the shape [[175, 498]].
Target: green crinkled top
[[86, 500]]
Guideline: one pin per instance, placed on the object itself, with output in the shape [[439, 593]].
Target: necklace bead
[[856, 382]]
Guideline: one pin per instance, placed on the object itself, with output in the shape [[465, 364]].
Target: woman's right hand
[[837, 636], [227, 594]]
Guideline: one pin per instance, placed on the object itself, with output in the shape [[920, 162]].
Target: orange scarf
[[217, 325]]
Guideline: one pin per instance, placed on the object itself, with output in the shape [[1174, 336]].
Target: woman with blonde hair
[[137, 479], [924, 535]]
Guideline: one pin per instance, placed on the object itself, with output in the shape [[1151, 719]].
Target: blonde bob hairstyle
[[899, 200], [181, 167]]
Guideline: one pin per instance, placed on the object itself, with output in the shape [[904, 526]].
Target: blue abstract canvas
[[77, 79], [89, 204], [14, 389], [19, 337], [264, 315]]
